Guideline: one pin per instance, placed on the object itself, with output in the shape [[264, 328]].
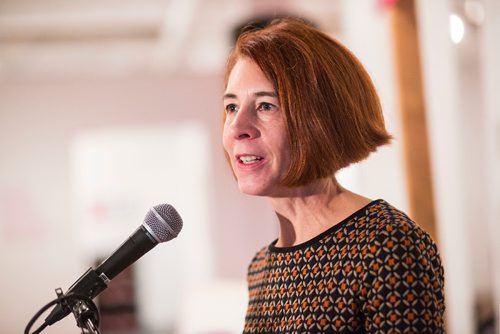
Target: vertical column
[[413, 115]]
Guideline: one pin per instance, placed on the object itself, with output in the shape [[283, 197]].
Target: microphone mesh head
[[163, 222]]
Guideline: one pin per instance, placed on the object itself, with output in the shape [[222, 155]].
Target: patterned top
[[374, 272]]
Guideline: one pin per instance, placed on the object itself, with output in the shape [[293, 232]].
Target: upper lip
[[247, 155], [238, 156]]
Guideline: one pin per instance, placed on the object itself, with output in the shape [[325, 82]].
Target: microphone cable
[[63, 299]]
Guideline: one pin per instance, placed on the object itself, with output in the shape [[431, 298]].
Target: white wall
[[490, 70]]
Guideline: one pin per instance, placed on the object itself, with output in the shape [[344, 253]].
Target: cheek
[[284, 150], [227, 144], [225, 138]]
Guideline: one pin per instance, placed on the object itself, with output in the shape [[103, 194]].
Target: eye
[[265, 106], [231, 108]]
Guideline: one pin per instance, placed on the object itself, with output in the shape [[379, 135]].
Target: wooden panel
[[413, 116]]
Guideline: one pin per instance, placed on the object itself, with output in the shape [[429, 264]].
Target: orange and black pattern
[[375, 272]]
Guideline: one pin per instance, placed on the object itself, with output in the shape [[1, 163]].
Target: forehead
[[247, 75]]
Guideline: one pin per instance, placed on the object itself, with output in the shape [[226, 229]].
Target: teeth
[[248, 159]]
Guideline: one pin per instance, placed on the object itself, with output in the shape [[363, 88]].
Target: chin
[[255, 189]]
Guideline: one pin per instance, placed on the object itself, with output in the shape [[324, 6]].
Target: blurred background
[[110, 107]]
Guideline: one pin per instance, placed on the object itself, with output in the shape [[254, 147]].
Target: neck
[[312, 209]]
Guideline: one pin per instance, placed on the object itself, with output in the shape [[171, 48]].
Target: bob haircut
[[331, 108]]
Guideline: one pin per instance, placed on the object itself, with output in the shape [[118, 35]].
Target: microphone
[[162, 223]]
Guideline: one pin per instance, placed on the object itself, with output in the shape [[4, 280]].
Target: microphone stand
[[87, 316]]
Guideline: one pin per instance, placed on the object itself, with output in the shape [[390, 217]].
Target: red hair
[[332, 110]]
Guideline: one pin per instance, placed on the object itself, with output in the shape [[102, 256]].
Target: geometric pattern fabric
[[374, 272]]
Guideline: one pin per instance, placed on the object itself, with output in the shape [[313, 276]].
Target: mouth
[[247, 159]]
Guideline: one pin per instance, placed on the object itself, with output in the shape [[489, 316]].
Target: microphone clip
[[83, 308]]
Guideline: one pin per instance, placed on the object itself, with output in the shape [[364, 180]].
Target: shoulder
[[259, 260], [388, 227], [396, 245]]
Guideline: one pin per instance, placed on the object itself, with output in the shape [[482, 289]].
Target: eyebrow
[[258, 94]]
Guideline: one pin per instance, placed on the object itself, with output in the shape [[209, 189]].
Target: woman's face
[[255, 136]]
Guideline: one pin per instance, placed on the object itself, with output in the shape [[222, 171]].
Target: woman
[[299, 107]]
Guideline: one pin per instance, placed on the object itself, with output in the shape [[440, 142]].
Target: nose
[[244, 125]]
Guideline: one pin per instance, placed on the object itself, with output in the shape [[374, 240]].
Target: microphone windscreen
[[163, 222]]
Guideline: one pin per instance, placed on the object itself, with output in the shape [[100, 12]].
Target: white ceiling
[[67, 38]]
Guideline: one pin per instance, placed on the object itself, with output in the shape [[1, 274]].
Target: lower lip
[[252, 166]]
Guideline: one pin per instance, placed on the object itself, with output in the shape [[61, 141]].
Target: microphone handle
[[138, 244]]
